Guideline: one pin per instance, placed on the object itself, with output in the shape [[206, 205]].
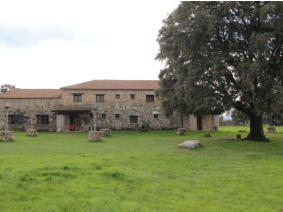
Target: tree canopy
[[220, 55]]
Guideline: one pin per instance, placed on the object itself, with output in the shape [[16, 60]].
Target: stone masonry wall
[[208, 122], [190, 122], [125, 106], [38, 106]]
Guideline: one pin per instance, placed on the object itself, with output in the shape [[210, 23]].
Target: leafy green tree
[[277, 119], [220, 55], [273, 118]]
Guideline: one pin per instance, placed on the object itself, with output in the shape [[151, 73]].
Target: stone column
[[60, 122], [215, 122], [6, 135], [31, 131], [7, 120], [31, 119], [94, 120], [193, 122]]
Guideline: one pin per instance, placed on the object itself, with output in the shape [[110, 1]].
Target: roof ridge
[[35, 89], [115, 84]]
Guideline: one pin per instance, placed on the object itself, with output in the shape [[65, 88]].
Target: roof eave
[[108, 88], [30, 97]]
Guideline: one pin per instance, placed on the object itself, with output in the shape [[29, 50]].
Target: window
[[100, 98], [132, 96], [117, 96], [156, 115], [133, 119], [77, 98], [17, 118], [103, 116], [12, 119], [42, 119], [117, 116], [150, 98]]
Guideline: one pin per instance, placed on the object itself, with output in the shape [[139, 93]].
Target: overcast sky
[[51, 44]]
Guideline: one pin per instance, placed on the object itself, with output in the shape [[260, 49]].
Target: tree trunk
[[256, 129]]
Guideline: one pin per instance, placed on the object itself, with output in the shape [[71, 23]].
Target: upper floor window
[[117, 96], [155, 115], [42, 119], [150, 98], [103, 116], [132, 96], [77, 97], [99, 97]]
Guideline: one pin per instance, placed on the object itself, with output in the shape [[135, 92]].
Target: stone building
[[114, 104]]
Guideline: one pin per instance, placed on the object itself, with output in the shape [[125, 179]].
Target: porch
[[74, 118]]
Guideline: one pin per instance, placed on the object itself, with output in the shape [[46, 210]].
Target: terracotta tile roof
[[31, 94], [117, 84]]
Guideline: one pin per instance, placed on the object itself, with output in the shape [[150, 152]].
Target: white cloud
[[26, 36], [50, 44]]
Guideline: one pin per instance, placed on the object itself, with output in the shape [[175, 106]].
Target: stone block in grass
[[190, 144], [6, 135], [106, 132], [207, 135], [95, 136], [181, 131], [31, 132]]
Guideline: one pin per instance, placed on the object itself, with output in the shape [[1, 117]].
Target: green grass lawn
[[133, 171]]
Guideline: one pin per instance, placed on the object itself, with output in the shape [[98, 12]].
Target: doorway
[[75, 122], [199, 123]]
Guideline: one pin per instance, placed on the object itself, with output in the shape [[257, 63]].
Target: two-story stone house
[[114, 104]]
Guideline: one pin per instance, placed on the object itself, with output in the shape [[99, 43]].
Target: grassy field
[[133, 171]]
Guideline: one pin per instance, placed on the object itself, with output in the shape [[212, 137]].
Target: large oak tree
[[220, 55]]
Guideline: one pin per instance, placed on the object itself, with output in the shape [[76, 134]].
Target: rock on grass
[[190, 144]]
